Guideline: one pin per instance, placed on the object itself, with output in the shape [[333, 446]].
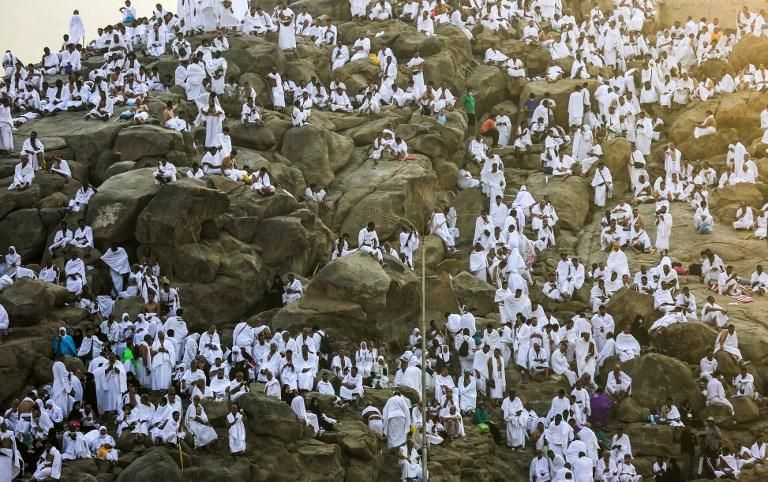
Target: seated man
[[249, 115], [83, 236], [23, 174], [759, 281], [293, 290], [538, 360], [164, 173], [619, 384], [61, 239], [744, 383], [211, 161]]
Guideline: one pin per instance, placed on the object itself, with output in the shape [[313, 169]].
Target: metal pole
[[424, 445]]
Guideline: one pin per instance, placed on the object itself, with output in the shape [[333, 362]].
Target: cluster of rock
[[220, 243]]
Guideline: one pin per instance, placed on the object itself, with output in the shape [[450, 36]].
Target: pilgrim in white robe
[[602, 182], [516, 418], [163, 361], [396, 419], [236, 433], [196, 421], [110, 385]]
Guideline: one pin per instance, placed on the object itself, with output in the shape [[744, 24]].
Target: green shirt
[[469, 103]]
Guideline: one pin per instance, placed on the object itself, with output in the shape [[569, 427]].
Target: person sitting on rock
[[292, 290], [619, 384], [23, 174], [249, 114], [707, 127], [494, 56], [744, 383], [716, 393], [164, 173]]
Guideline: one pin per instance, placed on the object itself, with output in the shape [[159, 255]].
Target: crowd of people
[[150, 377]]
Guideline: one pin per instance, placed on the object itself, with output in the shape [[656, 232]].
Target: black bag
[[694, 269]]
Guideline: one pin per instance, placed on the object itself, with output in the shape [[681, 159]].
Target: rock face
[[150, 141], [749, 50], [571, 196], [357, 297], [272, 418], [177, 213], [318, 153], [220, 242], [155, 464], [393, 191], [656, 377], [113, 211], [686, 341], [29, 301]]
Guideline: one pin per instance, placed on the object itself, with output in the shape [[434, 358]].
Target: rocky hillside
[[221, 242]]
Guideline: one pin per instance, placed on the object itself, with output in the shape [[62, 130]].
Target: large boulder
[[23, 229], [292, 243], [177, 212], [656, 377], [357, 300], [85, 139], [626, 304], [749, 50], [745, 409], [475, 293], [149, 141], [261, 138], [653, 440], [424, 135], [269, 417], [29, 301], [248, 209], [616, 153], [708, 146], [317, 152], [357, 74], [469, 204], [724, 202], [13, 200], [155, 464], [489, 84], [255, 55], [629, 411], [687, 341], [221, 280], [357, 277], [355, 439], [113, 211], [737, 110], [394, 190], [570, 197], [409, 42]]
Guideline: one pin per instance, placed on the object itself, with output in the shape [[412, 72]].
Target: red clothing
[[488, 125]]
